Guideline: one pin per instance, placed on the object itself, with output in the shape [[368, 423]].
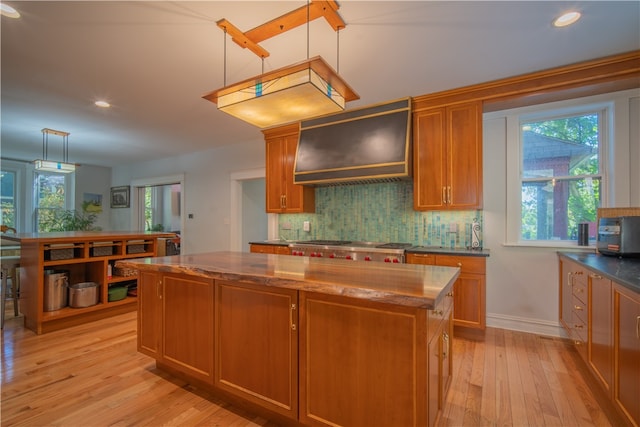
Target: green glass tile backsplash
[[381, 212]]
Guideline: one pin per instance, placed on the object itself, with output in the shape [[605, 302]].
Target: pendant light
[[46, 165], [306, 89]]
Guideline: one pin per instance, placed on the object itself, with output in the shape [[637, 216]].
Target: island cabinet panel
[[362, 363], [626, 394], [447, 146], [150, 313], [257, 345], [187, 325], [469, 290]]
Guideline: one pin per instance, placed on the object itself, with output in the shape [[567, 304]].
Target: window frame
[[69, 191], [611, 124]]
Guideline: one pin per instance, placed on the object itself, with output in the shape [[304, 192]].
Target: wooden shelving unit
[[86, 257]]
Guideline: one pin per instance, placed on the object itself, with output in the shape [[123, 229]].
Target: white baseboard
[[523, 324]]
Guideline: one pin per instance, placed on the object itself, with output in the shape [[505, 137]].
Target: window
[[561, 175], [8, 182], [51, 191]]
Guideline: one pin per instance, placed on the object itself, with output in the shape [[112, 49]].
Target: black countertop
[[625, 271]]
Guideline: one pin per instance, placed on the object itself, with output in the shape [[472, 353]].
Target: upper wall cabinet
[[447, 155], [283, 196]]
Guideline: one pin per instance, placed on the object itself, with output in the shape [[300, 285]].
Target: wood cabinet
[[602, 318], [469, 290], [297, 356], [626, 350], [269, 249], [283, 196], [600, 329], [257, 345], [85, 257], [447, 156], [175, 322], [365, 363]]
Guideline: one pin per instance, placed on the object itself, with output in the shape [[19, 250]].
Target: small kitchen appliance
[[619, 236]]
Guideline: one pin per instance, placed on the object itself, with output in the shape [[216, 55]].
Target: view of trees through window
[[561, 176], [8, 197], [50, 199]]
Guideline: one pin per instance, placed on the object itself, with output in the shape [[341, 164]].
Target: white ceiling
[[154, 60]]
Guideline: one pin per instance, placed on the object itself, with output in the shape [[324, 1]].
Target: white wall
[[206, 191], [94, 180], [522, 282]]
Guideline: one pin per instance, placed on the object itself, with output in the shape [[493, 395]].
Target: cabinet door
[[361, 364], [627, 352], [149, 313], [257, 345], [434, 376], [464, 156], [187, 325], [275, 153], [429, 161], [567, 270], [469, 290], [600, 340]]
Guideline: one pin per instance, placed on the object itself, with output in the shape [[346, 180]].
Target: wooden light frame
[[306, 89]]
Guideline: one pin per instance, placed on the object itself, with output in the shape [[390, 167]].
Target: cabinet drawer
[[467, 264], [580, 291], [423, 259], [261, 249], [439, 314]]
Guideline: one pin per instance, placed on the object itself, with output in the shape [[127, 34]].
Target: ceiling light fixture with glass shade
[[46, 165], [300, 91], [566, 19]]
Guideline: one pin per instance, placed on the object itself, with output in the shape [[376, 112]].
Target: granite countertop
[[411, 249], [625, 271], [419, 286], [447, 251]]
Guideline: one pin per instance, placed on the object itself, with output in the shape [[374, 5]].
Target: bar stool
[[10, 269]]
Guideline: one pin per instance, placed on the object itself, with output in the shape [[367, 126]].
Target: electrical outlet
[[306, 226]]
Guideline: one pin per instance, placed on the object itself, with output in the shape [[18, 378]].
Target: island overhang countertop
[[419, 286]]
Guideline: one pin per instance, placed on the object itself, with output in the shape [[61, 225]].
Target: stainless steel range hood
[[370, 144]]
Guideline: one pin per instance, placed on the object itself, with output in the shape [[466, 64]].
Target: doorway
[[249, 220]]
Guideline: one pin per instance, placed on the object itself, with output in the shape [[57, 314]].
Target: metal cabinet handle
[[578, 326], [569, 279], [638, 327], [444, 195], [445, 345], [448, 194], [577, 307], [291, 321], [595, 276]]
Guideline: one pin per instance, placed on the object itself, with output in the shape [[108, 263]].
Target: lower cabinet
[[301, 357], [469, 290], [269, 249], [602, 318], [626, 345], [256, 351], [175, 322]]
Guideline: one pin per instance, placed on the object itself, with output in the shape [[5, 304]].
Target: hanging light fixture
[[46, 165], [306, 89]]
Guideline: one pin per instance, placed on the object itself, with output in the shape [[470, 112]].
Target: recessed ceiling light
[[8, 11], [103, 104], [566, 19]]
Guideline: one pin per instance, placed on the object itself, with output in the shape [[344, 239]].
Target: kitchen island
[[83, 257], [303, 340]]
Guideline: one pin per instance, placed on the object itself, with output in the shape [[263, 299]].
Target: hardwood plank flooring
[[92, 375]]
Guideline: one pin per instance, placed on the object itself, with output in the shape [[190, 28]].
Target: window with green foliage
[[561, 175], [50, 198], [8, 198]]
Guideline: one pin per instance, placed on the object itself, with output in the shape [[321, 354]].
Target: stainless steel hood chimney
[[370, 144]]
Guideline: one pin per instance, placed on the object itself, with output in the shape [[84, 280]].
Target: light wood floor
[[92, 375]]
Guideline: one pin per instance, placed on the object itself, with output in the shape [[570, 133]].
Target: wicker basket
[[119, 270]]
